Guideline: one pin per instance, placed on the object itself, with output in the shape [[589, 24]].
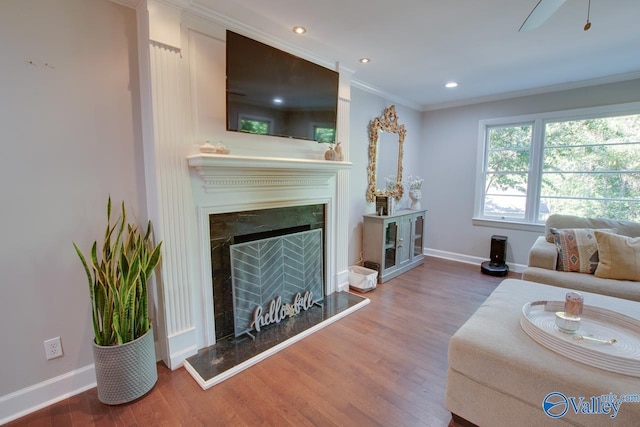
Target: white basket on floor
[[362, 279]]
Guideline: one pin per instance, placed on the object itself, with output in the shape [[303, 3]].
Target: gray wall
[[365, 107], [450, 138], [70, 128]]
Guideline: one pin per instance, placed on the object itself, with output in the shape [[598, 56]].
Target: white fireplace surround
[[183, 188], [230, 183]]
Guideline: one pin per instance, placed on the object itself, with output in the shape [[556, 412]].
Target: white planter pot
[[125, 372]]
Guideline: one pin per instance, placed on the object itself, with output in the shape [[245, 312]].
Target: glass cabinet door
[[405, 247], [391, 234], [417, 236]]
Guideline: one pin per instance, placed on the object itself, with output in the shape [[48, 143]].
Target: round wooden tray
[[621, 356]]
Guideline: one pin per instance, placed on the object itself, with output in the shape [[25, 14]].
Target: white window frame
[[537, 121]]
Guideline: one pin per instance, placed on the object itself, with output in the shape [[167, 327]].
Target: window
[[324, 134], [507, 171], [254, 125], [582, 162]]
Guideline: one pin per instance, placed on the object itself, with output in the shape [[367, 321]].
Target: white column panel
[[342, 186], [175, 200]]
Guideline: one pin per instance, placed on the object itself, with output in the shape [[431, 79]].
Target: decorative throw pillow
[[577, 249], [619, 256]]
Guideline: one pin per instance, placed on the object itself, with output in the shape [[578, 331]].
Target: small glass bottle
[[573, 304]]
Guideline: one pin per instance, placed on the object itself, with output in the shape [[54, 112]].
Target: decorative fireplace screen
[[283, 266]]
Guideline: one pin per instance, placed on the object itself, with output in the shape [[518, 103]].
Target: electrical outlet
[[53, 348]]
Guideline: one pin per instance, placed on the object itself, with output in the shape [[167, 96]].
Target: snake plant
[[118, 279]]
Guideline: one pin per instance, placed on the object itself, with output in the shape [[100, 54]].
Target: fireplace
[[233, 192], [232, 186], [229, 231]]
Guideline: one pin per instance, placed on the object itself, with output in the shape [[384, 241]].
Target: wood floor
[[383, 365]]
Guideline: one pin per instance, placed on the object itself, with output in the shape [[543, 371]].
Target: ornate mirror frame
[[387, 122]]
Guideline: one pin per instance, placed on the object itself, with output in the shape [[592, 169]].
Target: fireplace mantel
[[232, 170]]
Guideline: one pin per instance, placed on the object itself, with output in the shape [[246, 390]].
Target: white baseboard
[[343, 281], [343, 287], [181, 346], [46, 393], [177, 359], [468, 259]]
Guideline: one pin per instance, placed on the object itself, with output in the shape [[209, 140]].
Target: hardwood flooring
[[383, 365]]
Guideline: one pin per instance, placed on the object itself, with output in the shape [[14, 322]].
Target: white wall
[[365, 106], [450, 147], [70, 126]]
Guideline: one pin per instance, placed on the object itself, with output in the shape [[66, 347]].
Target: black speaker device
[[497, 266]]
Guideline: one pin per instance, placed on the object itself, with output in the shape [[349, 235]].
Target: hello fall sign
[[278, 311]]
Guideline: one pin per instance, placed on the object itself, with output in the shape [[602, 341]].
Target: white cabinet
[[394, 241]]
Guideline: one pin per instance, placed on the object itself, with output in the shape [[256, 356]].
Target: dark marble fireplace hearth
[[229, 353]]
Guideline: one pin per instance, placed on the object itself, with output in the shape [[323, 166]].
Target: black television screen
[[271, 92]]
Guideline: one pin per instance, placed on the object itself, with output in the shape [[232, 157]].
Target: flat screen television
[[271, 92]]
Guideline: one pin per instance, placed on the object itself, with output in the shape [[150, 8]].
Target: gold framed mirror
[[386, 138]]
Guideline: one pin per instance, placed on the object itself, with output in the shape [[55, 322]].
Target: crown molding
[[386, 95], [535, 91]]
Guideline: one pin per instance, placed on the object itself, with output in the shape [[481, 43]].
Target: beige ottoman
[[499, 376]]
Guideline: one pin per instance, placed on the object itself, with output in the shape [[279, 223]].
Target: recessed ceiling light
[[364, 60], [278, 100], [299, 30], [451, 85]]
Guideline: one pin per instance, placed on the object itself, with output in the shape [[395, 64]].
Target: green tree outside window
[[586, 167], [259, 127], [322, 134]]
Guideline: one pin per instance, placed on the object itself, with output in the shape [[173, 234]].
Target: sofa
[[588, 254]]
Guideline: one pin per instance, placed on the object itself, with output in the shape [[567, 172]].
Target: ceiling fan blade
[[543, 11]]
